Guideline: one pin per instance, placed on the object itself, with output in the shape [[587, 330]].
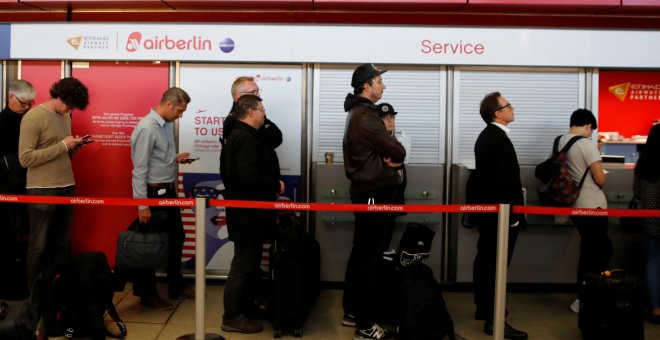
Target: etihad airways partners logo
[[89, 42], [633, 91], [137, 42]]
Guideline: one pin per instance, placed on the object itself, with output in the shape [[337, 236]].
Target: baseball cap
[[364, 73], [385, 109]]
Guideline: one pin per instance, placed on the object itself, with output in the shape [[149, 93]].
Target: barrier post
[[501, 271], [200, 275]]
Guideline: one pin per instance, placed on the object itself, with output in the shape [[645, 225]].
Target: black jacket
[[269, 134], [496, 178], [366, 143], [250, 174], [12, 174]]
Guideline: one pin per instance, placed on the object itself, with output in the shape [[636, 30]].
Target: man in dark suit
[[251, 173], [495, 180]]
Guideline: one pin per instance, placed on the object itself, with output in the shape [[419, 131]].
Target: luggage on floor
[[295, 272], [612, 306], [73, 298], [21, 322], [424, 315], [13, 285]]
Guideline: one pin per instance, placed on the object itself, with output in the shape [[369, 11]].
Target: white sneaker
[[575, 306], [375, 332]]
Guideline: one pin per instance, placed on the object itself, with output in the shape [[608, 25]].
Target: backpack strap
[[566, 148], [112, 312], [568, 145]]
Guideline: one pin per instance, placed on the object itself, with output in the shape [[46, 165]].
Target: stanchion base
[[207, 336]]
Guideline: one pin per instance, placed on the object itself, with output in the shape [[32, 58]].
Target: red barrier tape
[[165, 202], [585, 211], [423, 208], [356, 207]]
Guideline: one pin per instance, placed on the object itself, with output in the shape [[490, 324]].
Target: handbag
[[631, 225], [142, 247]]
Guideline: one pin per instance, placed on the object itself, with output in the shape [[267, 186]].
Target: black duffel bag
[[142, 246]]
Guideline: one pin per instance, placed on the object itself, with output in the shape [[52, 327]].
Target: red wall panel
[[42, 75], [120, 94], [628, 101]]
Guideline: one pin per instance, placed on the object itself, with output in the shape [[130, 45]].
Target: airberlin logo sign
[[137, 42], [633, 91]]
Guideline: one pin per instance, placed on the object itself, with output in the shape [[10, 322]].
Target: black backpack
[[424, 315], [73, 297], [559, 189]]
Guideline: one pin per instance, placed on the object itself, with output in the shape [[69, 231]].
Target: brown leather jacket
[[366, 143]]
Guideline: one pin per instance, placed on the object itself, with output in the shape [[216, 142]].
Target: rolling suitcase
[[295, 274], [612, 306]]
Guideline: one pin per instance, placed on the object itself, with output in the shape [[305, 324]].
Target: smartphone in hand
[[86, 139]]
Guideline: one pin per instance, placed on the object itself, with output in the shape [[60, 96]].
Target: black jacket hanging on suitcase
[[295, 273], [612, 306]]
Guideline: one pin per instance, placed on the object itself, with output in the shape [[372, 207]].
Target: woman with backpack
[[647, 190], [584, 156]]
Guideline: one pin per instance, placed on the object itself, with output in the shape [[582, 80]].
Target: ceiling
[[621, 14]]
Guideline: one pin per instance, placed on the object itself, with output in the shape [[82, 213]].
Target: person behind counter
[[647, 190]]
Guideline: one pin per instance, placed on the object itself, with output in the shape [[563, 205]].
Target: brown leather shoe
[[156, 302], [188, 292], [241, 324]]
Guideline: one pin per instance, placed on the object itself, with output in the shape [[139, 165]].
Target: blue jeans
[[653, 270], [50, 231]]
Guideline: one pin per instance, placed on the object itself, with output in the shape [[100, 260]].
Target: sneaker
[[348, 320], [375, 332], [575, 306], [241, 324]]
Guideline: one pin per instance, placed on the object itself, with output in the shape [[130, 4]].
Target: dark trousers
[[50, 231], [240, 288], [595, 245], [144, 280], [483, 272], [372, 235]]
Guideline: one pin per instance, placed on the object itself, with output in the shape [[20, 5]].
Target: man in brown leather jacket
[[371, 158]]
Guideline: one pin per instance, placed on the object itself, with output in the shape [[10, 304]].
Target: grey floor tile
[[543, 316]]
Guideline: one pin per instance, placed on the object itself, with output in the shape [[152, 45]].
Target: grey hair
[[22, 88]]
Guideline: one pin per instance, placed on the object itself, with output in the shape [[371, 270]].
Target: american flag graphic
[[188, 217]]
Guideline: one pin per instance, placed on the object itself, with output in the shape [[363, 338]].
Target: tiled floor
[[543, 316]]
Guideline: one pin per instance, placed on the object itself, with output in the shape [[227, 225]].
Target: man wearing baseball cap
[[371, 158]]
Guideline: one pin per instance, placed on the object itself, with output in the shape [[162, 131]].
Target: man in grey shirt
[[155, 160]]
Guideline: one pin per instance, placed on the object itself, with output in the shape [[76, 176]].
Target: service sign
[[336, 44]]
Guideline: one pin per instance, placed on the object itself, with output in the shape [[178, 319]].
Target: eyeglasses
[[28, 104], [255, 92], [505, 106]]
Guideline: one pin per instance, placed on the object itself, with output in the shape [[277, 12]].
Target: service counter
[[334, 230], [547, 251]]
